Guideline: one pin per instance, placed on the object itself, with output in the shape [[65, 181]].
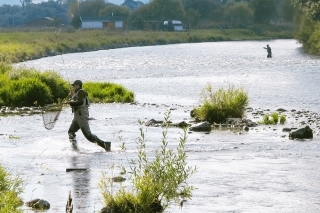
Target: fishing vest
[[85, 101]]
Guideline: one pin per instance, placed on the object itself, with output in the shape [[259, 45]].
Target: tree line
[[193, 13]]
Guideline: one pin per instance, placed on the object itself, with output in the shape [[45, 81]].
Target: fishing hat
[[77, 82]]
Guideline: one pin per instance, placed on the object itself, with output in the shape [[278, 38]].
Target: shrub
[[58, 86], [26, 91], [10, 188], [108, 93], [155, 183], [221, 104]]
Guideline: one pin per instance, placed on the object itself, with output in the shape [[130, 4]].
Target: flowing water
[[256, 171]]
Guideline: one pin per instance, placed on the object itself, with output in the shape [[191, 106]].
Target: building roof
[[102, 18]]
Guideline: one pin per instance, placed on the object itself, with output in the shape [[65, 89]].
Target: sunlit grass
[[18, 46], [221, 104], [10, 188]]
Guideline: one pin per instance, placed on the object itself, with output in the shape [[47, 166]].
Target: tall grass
[[221, 104], [157, 178], [108, 92], [18, 46], [29, 87], [10, 188], [273, 119]]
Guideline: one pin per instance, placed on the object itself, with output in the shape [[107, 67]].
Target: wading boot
[[106, 145], [73, 141]]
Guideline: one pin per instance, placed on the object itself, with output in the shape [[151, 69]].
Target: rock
[[203, 126], [118, 179], [281, 110], [286, 129], [153, 122], [303, 133], [38, 204]]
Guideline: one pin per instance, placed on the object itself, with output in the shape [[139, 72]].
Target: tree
[[311, 7], [204, 7], [264, 10], [114, 10], [239, 14], [157, 10]]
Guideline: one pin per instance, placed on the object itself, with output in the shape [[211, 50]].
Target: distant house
[[41, 22], [151, 25], [103, 22], [173, 25]]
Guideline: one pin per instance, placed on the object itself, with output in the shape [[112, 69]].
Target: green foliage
[[10, 188], [25, 91], [24, 87], [157, 179], [273, 119], [310, 7], [221, 104], [282, 119], [239, 15], [108, 93], [264, 11]]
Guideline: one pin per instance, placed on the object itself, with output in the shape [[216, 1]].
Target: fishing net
[[50, 115]]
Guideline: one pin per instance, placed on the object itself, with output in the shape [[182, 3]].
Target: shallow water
[[256, 171]]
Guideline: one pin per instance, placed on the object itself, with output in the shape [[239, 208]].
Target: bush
[[222, 104], [108, 93], [155, 182], [10, 188], [25, 92]]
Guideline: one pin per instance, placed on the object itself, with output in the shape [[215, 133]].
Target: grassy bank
[[29, 87], [16, 46]]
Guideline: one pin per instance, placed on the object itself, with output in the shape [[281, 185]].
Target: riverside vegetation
[[157, 179], [26, 87], [17, 46]]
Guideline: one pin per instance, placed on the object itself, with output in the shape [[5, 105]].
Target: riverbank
[[18, 46]]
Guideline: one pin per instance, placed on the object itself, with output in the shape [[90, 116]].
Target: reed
[[108, 92], [10, 188], [273, 119], [221, 104], [157, 178]]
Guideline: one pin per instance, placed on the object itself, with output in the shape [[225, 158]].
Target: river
[[256, 171]]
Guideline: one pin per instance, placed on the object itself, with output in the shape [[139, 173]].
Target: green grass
[[28, 87], [18, 46], [221, 104], [157, 178], [273, 119], [108, 93], [10, 188]]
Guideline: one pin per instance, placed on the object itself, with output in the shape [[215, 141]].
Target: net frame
[[50, 115]]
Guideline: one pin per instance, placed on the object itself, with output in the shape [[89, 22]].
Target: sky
[[17, 2]]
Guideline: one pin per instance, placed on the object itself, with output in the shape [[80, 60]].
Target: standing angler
[[80, 103], [268, 48]]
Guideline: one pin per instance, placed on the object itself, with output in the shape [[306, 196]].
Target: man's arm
[[79, 101]]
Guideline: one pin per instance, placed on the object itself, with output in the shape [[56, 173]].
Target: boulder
[[38, 204], [203, 126], [303, 133]]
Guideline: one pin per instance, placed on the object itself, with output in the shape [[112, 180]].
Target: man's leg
[[94, 139], [74, 127]]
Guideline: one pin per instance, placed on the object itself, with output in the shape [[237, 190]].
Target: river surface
[[256, 171]]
